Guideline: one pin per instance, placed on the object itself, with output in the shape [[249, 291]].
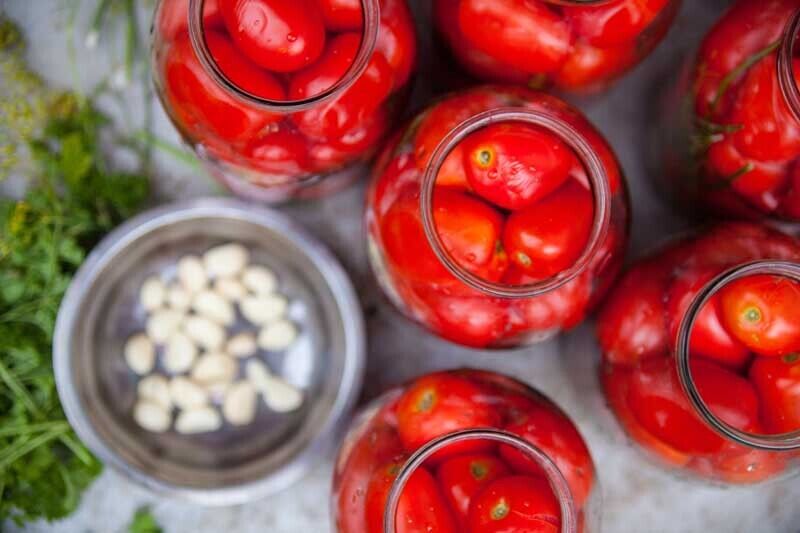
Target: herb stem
[[743, 67], [12, 453]]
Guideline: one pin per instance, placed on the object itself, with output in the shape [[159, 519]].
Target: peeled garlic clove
[[216, 391], [257, 373], [179, 353], [187, 394], [192, 274], [261, 310], [155, 388], [140, 354], [239, 407], [226, 261], [277, 335], [178, 298], [162, 324], [215, 368], [241, 345], [152, 294], [281, 396], [214, 307], [151, 416], [230, 289], [205, 332], [260, 280], [198, 420]]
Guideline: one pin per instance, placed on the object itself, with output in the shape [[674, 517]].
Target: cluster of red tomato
[[751, 133], [286, 51], [512, 205], [574, 47], [477, 486], [743, 351]]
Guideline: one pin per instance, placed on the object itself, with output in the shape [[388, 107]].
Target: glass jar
[[576, 46], [497, 218], [456, 448], [700, 343], [275, 122], [731, 135]]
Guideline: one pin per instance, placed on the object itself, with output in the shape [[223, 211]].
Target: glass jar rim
[[371, 12], [776, 442], [785, 65], [558, 483], [593, 165]]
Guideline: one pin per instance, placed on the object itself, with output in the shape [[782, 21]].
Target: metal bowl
[[101, 310]]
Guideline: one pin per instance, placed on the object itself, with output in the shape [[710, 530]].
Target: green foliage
[[144, 522]]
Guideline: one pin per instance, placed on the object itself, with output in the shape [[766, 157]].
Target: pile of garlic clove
[[211, 375]]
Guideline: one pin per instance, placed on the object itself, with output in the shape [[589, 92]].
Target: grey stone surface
[[638, 497]]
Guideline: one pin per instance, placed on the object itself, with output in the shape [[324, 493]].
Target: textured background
[[638, 497]]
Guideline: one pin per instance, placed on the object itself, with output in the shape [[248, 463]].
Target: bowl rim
[[325, 438]]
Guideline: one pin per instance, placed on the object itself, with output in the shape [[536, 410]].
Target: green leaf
[[144, 522]]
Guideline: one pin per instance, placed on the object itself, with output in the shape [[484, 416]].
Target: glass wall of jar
[[700, 349], [498, 218], [731, 134], [464, 451], [576, 46], [283, 99]]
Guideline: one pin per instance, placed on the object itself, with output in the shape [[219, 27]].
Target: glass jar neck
[[586, 154], [372, 17], [785, 65], [558, 484], [787, 441]]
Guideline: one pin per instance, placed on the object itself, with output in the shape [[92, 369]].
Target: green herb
[[144, 522]]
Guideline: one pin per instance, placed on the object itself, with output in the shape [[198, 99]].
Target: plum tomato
[[278, 35], [334, 118], [241, 71], [777, 381], [741, 465], [342, 15], [515, 503], [562, 308], [552, 432], [530, 36], [549, 236], [709, 337], [283, 152], [397, 40], [460, 478], [475, 321], [438, 404], [201, 105], [763, 313], [513, 165], [172, 18], [613, 23], [422, 507], [660, 405], [588, 67]]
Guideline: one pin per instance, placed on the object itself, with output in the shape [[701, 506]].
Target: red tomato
[[709, 338], [477, 321], [422, 507], [241, 71], [284, 152], [397, 39], [614, 23], [452, 172], [342, 15], [562, 308], [398, 173], [376, 446], [516, 504], [763, 312], [278, 35], [460, 478], [589, 67], [661, 407], [770, 131], [173, 17], [513, 165], [529, 36], [355, 144], [733, 243], [616, 383], [439, 404], [741, 465], [334, 118], [551, 431], [548, 237], [777, 381], [763, 182], [202, 106]]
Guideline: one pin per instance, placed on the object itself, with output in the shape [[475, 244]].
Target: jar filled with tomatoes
[[498, 218], [576, 46], [283, 99], [732, 129], [464, 451], [701, 354]]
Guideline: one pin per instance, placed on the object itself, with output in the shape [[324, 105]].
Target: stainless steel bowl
[[100, 311]]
